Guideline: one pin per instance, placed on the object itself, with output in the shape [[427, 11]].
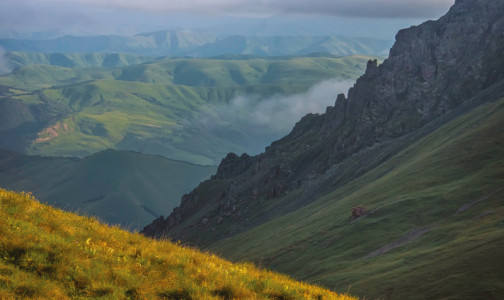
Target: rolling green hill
[[74, 60], [154, 107], [34, 77], [46, 253], [298, 72], [118, 187]]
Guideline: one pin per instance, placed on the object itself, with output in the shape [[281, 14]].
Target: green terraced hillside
[[157, 107], [74, 60]]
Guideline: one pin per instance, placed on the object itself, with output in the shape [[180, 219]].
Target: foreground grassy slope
[[118, 187], [435, 217], [48, 253]]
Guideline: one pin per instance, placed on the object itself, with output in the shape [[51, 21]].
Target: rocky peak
[[431, 70], [233, 165]]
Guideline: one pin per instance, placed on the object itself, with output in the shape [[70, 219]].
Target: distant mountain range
[[200, 44], [118, 187]]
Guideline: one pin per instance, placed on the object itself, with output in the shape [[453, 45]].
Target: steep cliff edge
[[435, 71]]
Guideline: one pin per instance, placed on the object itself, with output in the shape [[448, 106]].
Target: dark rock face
[[433, 68], [233, 165]]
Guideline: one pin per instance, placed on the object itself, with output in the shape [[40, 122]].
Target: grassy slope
[[450, 182], [119, 187], [34, 77], [303, 71], [48, 253], [146, 107]]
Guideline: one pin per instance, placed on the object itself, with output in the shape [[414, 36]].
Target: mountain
[[178, 108], [200, 44], [293, 45], [393, 191], [169, 42], [51, 254], [118, 187]]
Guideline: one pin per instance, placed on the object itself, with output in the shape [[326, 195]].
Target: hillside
[[118, 187], [397, 183], [435, 215], [48, 253], [74, 60], [178, 108], [210, 72]]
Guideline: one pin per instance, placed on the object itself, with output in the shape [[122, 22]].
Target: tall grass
[[48, 253]]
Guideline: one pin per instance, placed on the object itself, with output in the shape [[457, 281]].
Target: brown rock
[[359, 211]]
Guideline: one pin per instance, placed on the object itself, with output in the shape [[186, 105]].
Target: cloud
[[280, 113], [254, 122], [344, 8]]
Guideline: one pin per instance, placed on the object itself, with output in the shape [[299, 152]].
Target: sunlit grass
[[48, 253]]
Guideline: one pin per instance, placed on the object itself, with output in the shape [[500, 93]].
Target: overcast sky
[[126, 15]]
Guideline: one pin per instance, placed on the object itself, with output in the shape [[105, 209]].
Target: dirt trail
[[409, 237], [415, 234]]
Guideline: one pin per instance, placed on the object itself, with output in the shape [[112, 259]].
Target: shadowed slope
[[118, 187]]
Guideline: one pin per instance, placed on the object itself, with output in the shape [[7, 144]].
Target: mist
[[252, 122]]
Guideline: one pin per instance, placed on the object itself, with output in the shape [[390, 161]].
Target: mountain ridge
[[365, 119], [436, 73]]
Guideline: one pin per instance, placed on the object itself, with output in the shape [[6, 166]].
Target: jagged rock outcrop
[[432, 69]]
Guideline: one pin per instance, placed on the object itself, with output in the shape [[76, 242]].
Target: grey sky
[[123, 16], [353, 8]]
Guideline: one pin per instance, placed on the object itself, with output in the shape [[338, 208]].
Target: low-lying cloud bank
[[280, 113], [254, 122]]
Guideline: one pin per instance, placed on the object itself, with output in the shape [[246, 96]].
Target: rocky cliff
[[434, 71]]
